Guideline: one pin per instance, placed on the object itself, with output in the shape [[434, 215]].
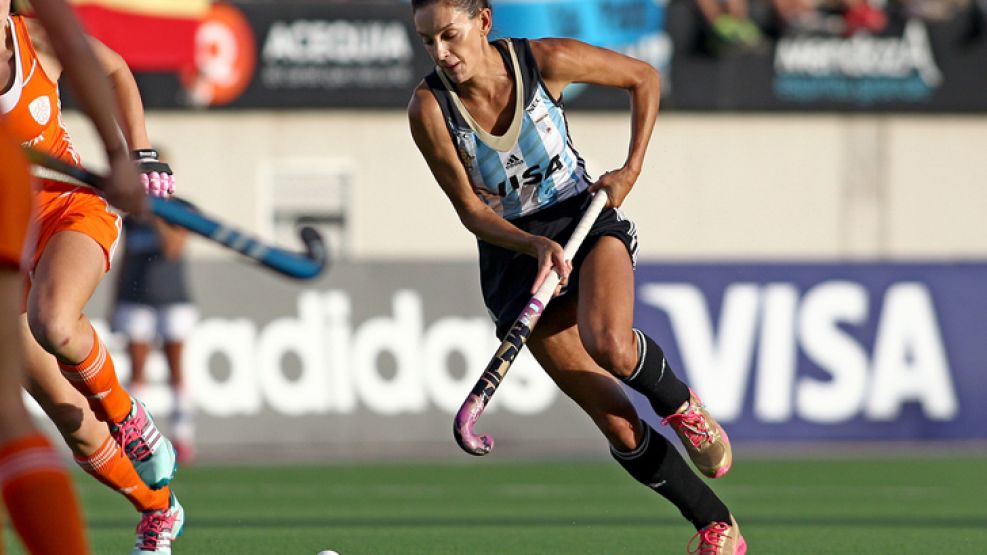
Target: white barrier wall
[[714, 187]]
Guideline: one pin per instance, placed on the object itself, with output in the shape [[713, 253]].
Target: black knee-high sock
[[656, 464], [654, 378]]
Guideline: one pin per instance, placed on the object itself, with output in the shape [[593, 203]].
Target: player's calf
[[655, 463], [704, 439]]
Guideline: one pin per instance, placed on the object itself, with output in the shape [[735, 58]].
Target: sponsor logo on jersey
[[513, 161], [531, 176], [534, 105]]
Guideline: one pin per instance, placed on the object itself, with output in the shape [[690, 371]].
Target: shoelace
[[693, 424], [150, 528], [711, 539], [128, 434]]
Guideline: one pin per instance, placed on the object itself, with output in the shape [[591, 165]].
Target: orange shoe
[[703, 437], [719, 538]]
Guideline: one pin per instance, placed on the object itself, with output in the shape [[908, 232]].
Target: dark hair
[[471, 7]]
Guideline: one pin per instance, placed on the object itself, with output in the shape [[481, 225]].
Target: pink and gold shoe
[[719, 538], [703, 437]]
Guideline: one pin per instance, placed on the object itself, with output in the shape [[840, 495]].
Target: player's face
[[453, 39], [4, 12]]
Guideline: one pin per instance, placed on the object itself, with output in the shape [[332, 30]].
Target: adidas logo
[[513, 162]]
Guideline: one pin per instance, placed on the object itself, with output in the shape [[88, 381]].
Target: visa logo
[[791, 353]]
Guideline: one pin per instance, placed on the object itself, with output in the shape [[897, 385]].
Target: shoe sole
[[720, 472], [167, 480], [181, 527]]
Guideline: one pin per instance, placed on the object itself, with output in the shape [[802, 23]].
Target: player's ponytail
[[471, 7]]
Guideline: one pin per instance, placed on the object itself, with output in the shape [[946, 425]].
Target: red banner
[[149, 40]]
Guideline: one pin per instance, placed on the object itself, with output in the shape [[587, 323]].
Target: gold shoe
[[703, 437]]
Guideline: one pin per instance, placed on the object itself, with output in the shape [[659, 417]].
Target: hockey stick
[[512, 344], [305, 265]]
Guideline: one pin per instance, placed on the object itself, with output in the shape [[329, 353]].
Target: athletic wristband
[[144, 154], [147, 161]]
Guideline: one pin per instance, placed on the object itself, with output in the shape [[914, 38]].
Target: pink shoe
[[719, 538], [158, 529], [703, 437]]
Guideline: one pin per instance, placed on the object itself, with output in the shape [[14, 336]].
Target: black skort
[[506, 276]]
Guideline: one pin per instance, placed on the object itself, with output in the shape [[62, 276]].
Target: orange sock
[[39, 497], [110, 466], [96, 378]]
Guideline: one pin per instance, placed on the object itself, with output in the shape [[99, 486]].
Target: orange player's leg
[[69, 269], [74, 244], [36, 489], [39, 497], [111, 467], [88, 438]]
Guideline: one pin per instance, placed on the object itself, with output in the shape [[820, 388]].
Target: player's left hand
[[617, 184], [156, 176]]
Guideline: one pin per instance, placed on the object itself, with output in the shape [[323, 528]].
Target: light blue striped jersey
[[538, 169]]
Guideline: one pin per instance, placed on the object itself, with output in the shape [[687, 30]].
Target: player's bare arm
[[157, 177], [127, 95], [429, 132], [566, 61], [60, 46]]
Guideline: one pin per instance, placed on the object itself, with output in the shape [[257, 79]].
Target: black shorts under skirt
[[506, 276]]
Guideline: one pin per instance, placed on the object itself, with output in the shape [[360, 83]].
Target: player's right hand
[[155, 175], [122, 186], [551, 256]]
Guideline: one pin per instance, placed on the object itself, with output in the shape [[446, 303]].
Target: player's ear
[[486, 21]]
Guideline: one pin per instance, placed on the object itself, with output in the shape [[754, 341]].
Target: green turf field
[[921, 506]]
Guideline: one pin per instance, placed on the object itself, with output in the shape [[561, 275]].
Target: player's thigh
[[67, 273], [556, 345], [606, 298]]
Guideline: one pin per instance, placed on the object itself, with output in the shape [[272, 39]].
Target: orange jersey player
[[36, 488], [70, 373]]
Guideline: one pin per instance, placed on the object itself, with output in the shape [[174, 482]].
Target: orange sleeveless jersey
[[32, 107], [15, 200], [32, 112]]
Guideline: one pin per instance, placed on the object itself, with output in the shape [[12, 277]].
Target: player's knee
[[614, 352], [51, 330]]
